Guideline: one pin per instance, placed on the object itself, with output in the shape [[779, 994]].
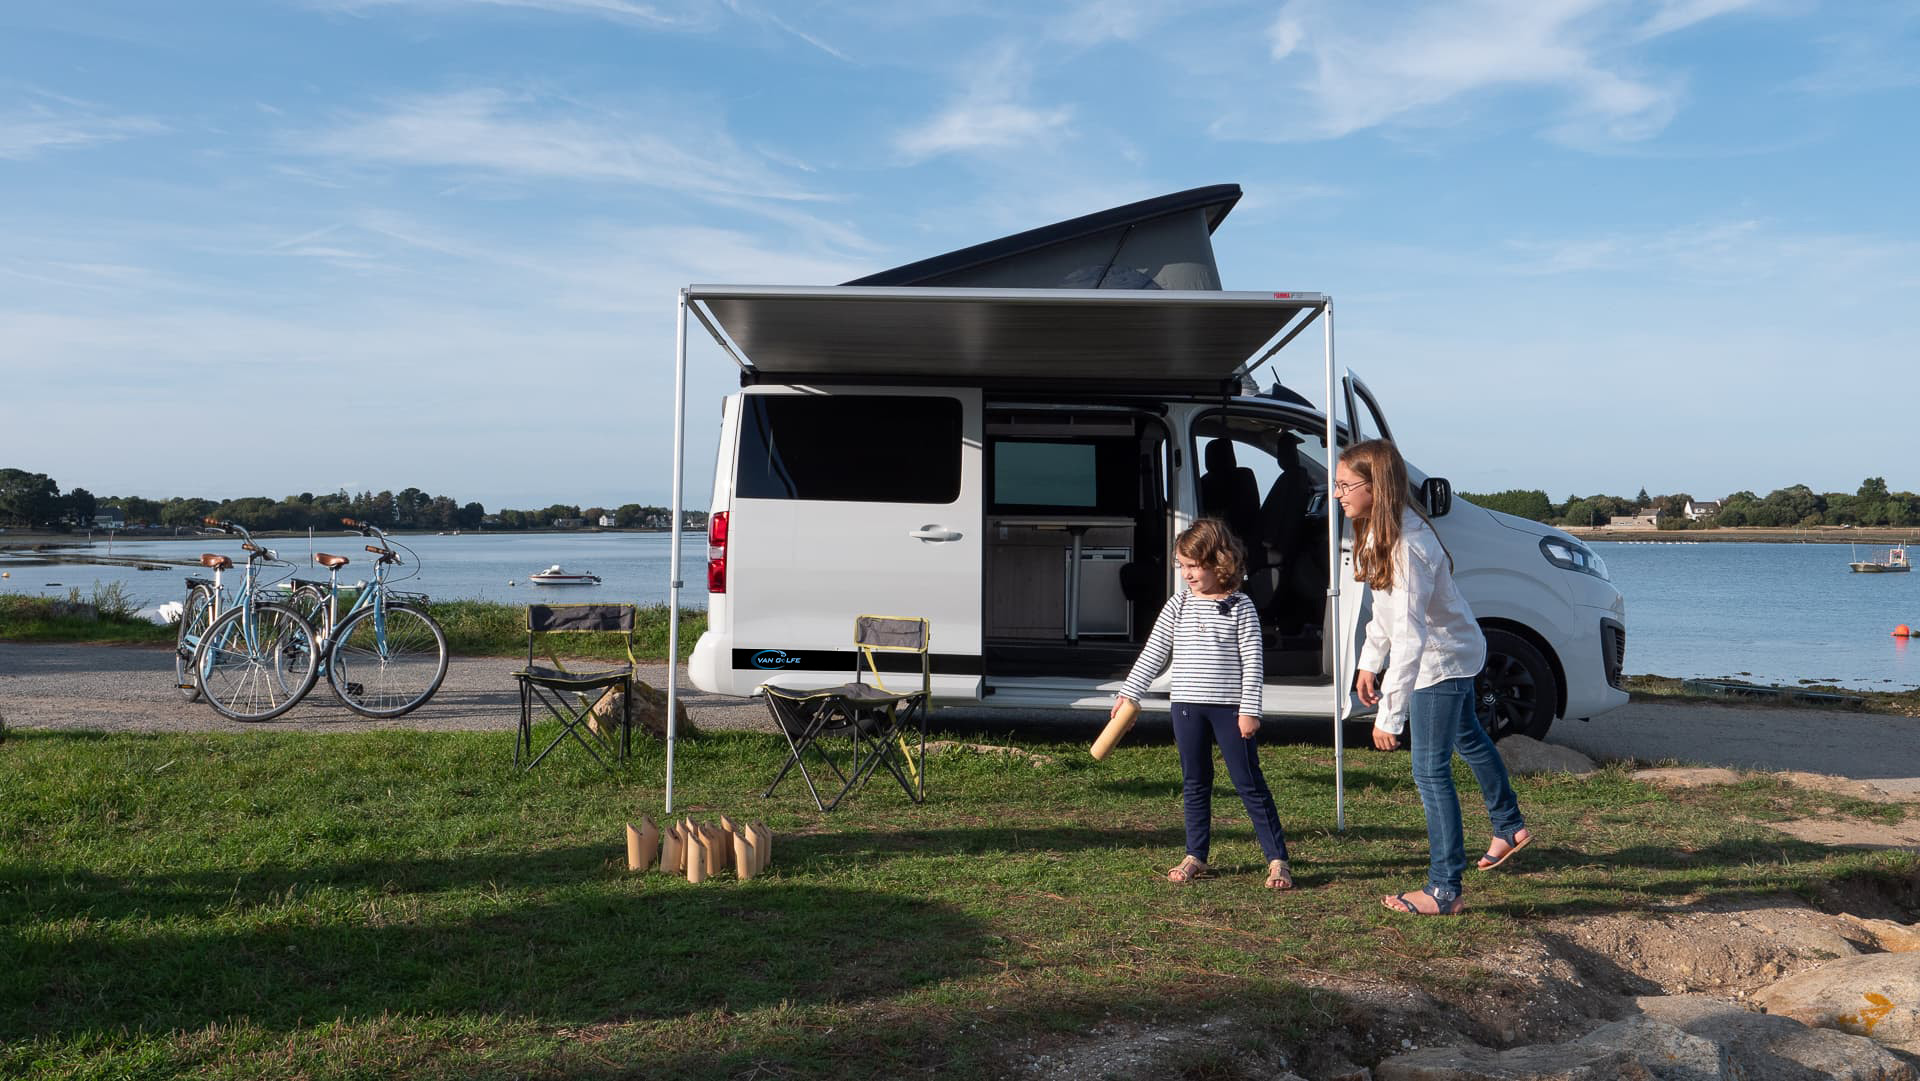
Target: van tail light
[[717, 553]]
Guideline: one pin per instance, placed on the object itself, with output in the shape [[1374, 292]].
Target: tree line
[[34, 501], [1796, 505]]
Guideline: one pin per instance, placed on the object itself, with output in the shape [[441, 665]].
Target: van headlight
[[1569, 554]]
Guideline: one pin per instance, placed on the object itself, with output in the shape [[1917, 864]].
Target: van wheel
[[1516, 693]]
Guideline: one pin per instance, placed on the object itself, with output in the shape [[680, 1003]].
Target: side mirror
[[1436, 493]]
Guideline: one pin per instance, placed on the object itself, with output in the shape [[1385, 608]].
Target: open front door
[[854, 501], [1364, 420]]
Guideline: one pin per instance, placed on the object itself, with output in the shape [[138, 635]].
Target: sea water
[[1773, 613]]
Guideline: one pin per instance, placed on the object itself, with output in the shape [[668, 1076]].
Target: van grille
[[1613, 649]]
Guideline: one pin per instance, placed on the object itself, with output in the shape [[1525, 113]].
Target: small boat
[[1896, 561], [554, 576]]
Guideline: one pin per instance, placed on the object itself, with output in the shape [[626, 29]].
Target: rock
[[1777, 1048], [1875, 995], [1890, 936], [1686, 777], [647, 713], [1839, 786], [1524, 754], [1637, 1049], [1346, 1071]]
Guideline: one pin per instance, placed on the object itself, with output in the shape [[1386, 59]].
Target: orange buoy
[[1902, 632]]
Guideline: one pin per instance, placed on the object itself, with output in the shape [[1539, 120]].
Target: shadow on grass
[[592, 948]]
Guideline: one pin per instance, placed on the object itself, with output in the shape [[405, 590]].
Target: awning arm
[[1294, 332], [673, 532], [1336, 635], [719, 337]]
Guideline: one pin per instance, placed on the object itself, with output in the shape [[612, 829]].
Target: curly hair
[[1211, 544]]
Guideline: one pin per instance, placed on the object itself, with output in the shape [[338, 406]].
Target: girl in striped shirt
[[1211, 634]]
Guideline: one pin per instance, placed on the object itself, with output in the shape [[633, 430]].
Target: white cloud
[[514, 134], [1093, 22], [618, 10], [988, 115], [1346, 68], [66, 125]]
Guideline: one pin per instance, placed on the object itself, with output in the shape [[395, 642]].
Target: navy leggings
[[1197, 726]]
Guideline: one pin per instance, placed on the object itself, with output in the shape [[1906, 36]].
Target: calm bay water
[[1771, 612], [631, 566]]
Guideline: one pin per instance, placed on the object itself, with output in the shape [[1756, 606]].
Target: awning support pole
[[673, 532], [1333, 593]]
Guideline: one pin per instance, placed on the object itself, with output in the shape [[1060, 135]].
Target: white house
[[109, 520], [606, 521], [1697, 509]]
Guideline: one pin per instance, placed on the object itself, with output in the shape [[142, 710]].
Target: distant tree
[[1520, 502], [1873, 488], [471, 515], [136, 509], [1580, 512], [1642, 499], [28, 499], [629, 515], [180, 512], [81, 506]]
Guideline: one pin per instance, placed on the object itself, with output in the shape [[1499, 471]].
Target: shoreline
[[1826, 534]]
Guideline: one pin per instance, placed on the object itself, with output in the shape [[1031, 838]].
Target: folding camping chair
[[876, 719], [568, 696]]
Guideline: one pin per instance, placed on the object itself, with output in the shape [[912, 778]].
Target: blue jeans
[[1197, 726], [1440, 721]]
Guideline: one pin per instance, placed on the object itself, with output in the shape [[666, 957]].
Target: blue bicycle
[[250, 657], [384, 656]]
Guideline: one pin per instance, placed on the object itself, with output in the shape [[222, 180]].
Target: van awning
[[1115, 338]]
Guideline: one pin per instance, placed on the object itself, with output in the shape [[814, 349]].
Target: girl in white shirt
[[1423, 650]]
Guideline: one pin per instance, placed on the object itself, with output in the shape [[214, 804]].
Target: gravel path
[[130, 689]]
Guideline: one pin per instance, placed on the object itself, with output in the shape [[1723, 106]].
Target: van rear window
[[868, 448]]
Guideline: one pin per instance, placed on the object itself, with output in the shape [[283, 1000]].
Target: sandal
[[1399, 903], [1514, 841], [1279, 875], [1187, 870]]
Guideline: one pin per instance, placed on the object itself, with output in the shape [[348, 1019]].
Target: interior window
[[870, 448]]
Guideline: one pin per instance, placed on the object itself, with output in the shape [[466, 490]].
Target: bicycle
[[255, 658], [385, 656]]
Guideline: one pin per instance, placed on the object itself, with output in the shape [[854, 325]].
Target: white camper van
[[1005, 440]]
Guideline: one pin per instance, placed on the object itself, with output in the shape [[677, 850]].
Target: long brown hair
[[1211, 544], [1378, 462]]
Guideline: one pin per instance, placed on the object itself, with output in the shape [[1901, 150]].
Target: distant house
[[1703, 508], [606, 521], [569, 523], [109, 520], [1634, 521], [490, 519]]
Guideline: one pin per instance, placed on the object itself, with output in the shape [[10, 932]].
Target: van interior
[[1080, 526]]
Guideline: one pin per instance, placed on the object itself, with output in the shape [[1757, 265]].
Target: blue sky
[[258, 247]]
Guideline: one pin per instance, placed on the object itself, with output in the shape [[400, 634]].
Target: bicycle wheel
[[256, 661], [194, 619], [387, 664], [311, 602]]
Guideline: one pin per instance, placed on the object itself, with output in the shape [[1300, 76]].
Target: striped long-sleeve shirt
[[1215, 649]]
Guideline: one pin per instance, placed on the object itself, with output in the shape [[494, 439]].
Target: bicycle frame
[[223, 601], [372, 593]]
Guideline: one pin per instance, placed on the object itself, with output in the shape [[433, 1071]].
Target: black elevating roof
[[1160, 243]]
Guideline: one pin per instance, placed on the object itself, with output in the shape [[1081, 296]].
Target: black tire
[[260, 676], [387, 671], [1517, 692], [194, 619]]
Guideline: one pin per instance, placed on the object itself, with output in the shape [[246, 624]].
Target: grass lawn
[[397, 904]]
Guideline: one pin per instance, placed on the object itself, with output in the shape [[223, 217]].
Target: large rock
[[1637, 1049], [1777, 1048], [1524, 754], [1875, 995]]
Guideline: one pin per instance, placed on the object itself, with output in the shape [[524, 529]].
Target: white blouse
[[1422, 631]]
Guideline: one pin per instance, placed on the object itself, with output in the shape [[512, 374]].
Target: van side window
[[867, 448]]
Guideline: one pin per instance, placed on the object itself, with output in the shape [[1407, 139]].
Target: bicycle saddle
[[216, 562], [332, 563]]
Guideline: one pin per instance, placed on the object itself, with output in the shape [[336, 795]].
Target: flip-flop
[[1399, 903], [1489, 861]]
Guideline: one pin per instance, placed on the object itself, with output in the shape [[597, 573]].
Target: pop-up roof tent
[[1127, 299]]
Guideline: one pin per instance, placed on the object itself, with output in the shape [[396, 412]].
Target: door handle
[[934, 533]]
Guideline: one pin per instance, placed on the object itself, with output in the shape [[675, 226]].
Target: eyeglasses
[[1345, 486]]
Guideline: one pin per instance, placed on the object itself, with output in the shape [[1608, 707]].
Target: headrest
[[1220, 455]]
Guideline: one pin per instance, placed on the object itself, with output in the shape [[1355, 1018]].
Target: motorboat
[[1896, 561], [554, 576]]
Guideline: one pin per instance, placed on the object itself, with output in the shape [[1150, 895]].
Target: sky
[[261, 247]]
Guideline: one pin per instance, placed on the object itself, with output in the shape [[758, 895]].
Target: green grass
[[388, 904], [474, 628]]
